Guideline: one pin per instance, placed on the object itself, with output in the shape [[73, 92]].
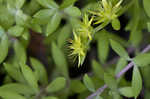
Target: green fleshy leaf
[[142, 59], [6, 18], [103, 46], [18, 88], [126, 91], [117, 38], [75, 22], [119, 49], [20, 51], [4, 46], [64, 34], [41, 72], [136, 40], [81, 88], [116, 24], [135, 26], [73, 11], [16, 31], [67, 3], [56, 85], [19, 3], [110, 81], [116, 95], [120, 65], [136, 82], [48, 3], [22, 18], [147, 7], [38, 21], [98, 97], [88, 83], [60, 60], [30, 77], [25, 34], [97, 69], [10, 95], [44, 13], [13, 72], [36, 27], [53, 24]]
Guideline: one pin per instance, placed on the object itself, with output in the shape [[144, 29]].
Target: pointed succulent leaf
[[56, 85], [136, 82], [88, 83], [119, 49]]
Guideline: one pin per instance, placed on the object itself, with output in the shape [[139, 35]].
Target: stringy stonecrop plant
[[25, 77], [82, 35], [105, 13]]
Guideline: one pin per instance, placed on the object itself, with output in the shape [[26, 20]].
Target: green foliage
[[53, 23], [9, 95], [59, 59], [116, 24], [110, 81], [126, 91], [4, 45], [97, 69], [20, 51], [44, 13], [88, 83], [56, 85], [136, 87], [142, 59], [29, 77], [98, 97], [39, 70], [67, 3], [13, 72], [146, 6], [120, 65], [48, 3], [18, 88], [136, 82], [64, 34], [16, 31], [119, 49], [19, 3], [103, 46], [41, 41], [135, 28], [81, 88], [73, 11]]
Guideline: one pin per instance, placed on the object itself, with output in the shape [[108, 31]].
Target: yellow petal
[[119, 3], [100, 21], [90, 22], [105, 4]]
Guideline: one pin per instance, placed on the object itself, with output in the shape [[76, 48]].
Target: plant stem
[[130, 65], [41, 93], [98, 92]]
